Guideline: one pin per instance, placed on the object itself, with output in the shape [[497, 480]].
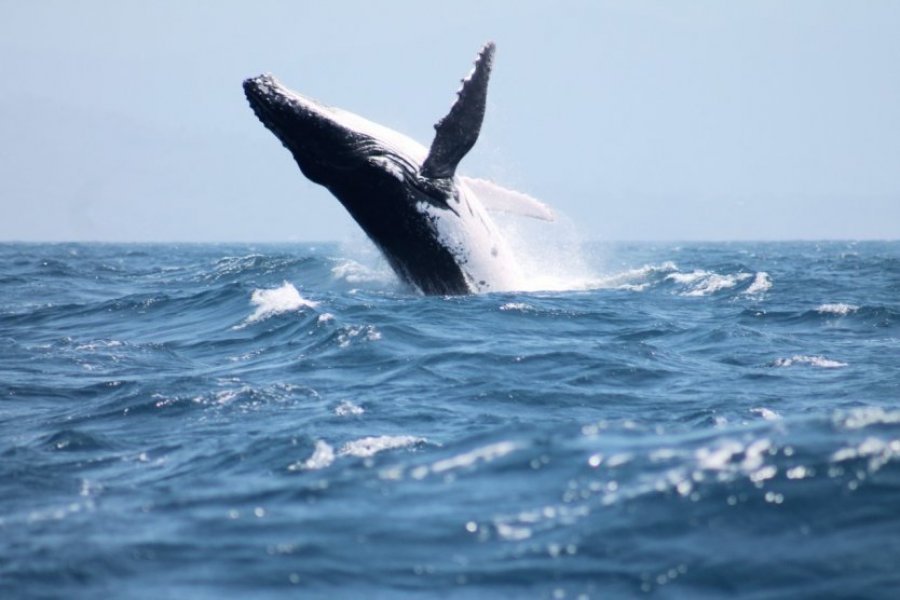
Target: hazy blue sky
[[125, 120]]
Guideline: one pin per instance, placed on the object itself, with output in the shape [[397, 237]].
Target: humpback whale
[[431, 224]]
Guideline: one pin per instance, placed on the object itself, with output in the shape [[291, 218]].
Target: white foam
[[761, 283], [836, 309], [633, 287], [688, 278], [367, 332], [766, 413], [91, 346], [347, 408], [636, 279], [228, 396], [322, 457], [713, 282], [815, 361], [517, 306], [555, 272], [704, 283], [369, 446], [276, 301]]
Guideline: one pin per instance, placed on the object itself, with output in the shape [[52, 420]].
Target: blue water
[[253, 421]]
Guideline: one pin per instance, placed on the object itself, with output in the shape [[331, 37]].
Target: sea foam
[[839, 309], [813, 361], [369, 446], [276, 301], [761, 283], [322, 457]]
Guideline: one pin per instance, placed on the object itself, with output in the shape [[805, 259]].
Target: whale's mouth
[[309, 129], [269, 102], [253, 90]]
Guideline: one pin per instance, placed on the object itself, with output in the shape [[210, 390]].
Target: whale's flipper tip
[[457, 132]]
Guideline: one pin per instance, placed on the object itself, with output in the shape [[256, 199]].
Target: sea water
[[255, 421]]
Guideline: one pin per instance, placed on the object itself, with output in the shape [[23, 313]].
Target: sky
[[125, 120]]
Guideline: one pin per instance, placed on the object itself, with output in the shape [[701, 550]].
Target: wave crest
[[270, 302]]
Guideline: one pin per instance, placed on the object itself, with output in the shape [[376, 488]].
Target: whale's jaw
[[322, 146]]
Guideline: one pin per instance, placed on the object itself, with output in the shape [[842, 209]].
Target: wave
[[704, 283], [358, 434], [369, 446], [71, 440], [695, 283], [814, 361], [548, 265], [324, 455], [761, 283], [839, 309], [256, 265], [270, 302], [834, 315]]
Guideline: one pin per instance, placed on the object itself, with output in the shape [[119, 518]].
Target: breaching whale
[[431, 224]]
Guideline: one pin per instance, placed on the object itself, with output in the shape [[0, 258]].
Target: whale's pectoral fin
[[456, 133], [499, 199]]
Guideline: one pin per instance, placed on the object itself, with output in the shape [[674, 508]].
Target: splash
[[276, 301], [356, 272], [547, 256], [362, 263], [551, 256], [322, 457]]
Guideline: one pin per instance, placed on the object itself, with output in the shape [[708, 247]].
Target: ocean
[[698, 420]]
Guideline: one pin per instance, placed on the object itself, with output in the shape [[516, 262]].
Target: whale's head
[[330, 144]]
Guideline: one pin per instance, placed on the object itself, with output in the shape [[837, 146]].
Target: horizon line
[[338, 241]]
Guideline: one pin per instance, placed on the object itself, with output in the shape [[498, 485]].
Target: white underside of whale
[[475, 241]]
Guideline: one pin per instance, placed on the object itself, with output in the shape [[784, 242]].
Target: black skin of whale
[[364, 173]]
